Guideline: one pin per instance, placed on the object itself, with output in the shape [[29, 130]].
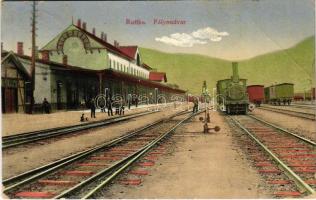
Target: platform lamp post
[[188, 101], [106, 92], [205, 94], [156, 97]]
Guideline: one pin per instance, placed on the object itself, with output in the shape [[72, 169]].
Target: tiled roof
[[129, 50], [158, 76], [125, 51], [58, 66], [109, 73]]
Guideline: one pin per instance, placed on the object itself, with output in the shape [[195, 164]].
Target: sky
[[227, 29]]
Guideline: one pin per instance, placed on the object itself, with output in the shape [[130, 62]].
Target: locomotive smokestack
[[235, 72]]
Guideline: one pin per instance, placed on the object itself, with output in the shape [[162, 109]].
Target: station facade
[[76, 66]]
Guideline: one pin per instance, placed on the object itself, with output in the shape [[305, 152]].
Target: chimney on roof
[[102, 35], [116, 44], [79, 23], [1, 46], [105, 37], [65, 60], [93, 31], [45, 55], [20, 48], [84, 25]]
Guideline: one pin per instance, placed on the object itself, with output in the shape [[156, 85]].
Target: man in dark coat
[[92, 107], [109, 106], [46, 106], [195, 107]]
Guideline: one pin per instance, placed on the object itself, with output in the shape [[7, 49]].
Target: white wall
[[42, 80], [123, 65]]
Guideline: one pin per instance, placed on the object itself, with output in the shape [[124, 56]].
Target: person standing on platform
[[109, 106], [129, 101], [46, 106], [92, 107], [122, 107], [136, 101], [195, 107]]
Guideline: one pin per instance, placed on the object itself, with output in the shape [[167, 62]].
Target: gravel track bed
[[134, 143], [302, 127]]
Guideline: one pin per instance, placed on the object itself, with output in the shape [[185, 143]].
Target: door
[[59, 102], [10, 100]]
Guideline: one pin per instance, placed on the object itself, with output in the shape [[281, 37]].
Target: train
[[306, 95], [278, 94], [232, 93]]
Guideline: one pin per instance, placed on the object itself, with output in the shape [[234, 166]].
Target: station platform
[[16, 123]]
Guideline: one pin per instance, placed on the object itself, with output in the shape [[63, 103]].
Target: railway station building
[[75, 66]]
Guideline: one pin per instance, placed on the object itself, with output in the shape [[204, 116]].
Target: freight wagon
[[306, 95], [280, 93], [256, 94]]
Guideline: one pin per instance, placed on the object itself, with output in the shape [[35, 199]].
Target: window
[[110, 63], [138, 60]]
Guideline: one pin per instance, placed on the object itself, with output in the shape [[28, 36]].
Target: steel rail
[[288, 172], [42, 171], [309, 116], [133, 158], [41, 136], [284, 130], [303, 106]]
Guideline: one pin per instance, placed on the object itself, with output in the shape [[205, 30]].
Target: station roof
[[158, 76], [6, 55], [57, 66], [107, 72], [129, 50], [107, 45]]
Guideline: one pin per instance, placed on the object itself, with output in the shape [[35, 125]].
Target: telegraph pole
[[33, 55]]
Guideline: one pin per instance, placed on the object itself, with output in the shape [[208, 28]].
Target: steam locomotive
[[232, 93]]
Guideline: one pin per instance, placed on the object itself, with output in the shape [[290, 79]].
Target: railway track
[[82, 175], [30, 137], [305, 115], [313, 107], [286, 160]]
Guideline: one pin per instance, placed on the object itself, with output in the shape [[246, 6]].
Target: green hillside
[[189, 70]]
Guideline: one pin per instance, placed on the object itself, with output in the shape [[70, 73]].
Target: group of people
[[118, 105]]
